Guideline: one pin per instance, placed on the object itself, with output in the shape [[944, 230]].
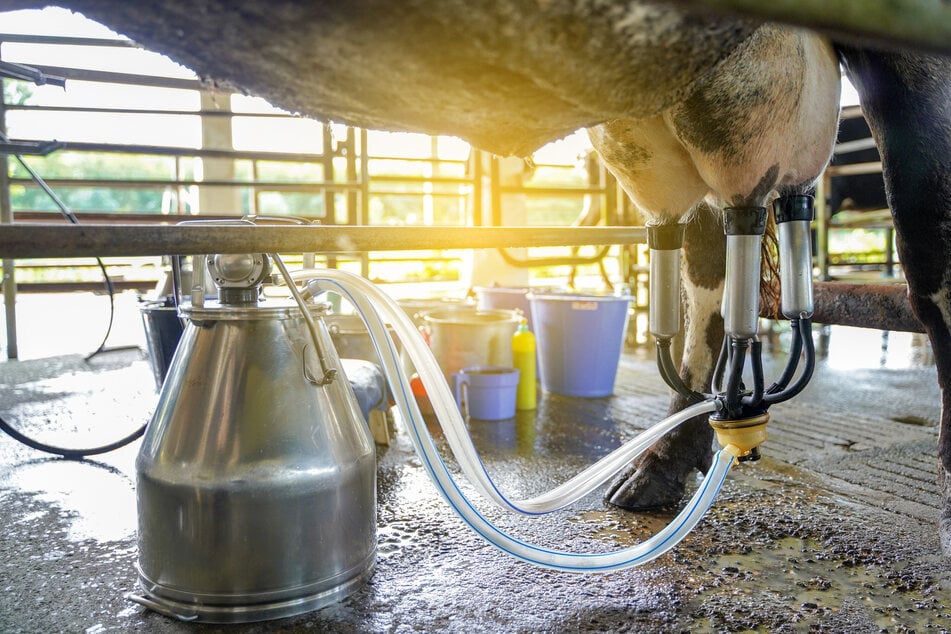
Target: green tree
[[16, 93]]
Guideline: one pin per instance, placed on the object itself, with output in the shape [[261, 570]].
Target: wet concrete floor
[[832, 531]]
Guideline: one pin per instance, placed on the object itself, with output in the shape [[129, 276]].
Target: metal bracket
[[329, 373], [28, 73], [32, 148]]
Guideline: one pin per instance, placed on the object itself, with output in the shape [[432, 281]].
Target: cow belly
[[508, 76]]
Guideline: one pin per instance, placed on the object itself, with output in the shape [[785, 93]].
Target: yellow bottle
[[523, 358]]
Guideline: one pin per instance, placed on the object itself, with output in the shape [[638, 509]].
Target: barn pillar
[[486, 267], [216, 135]]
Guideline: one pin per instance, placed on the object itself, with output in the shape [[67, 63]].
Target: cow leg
[[646, 158], [658, 477], [765, 121], [907, 101]]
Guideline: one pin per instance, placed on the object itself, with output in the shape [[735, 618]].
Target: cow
[[696, 115]]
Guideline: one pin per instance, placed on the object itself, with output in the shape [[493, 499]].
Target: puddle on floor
[[778, 552], [98, 501], [625, 529], [795, 582]]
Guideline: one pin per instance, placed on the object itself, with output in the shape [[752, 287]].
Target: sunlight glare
[[850, 97], [54, 21]]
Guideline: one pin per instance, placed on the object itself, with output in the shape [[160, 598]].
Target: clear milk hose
[[377, 310]]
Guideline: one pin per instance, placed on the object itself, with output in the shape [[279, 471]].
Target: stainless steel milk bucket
[[463, 338], [256, 487]]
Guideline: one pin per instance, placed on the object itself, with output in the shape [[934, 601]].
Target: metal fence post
[[9, 266]]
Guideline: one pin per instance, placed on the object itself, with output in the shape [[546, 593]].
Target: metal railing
[[878, 220]]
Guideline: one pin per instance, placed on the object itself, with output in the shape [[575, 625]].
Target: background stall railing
[[136, 139]]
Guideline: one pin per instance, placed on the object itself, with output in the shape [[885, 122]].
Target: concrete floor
[[832, 531]]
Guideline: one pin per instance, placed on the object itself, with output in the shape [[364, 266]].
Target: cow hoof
[[944, 524], [944, 531], [658, 478], [644, 486]]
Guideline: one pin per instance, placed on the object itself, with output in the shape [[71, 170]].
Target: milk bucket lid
[[267, 309], [473, 316]]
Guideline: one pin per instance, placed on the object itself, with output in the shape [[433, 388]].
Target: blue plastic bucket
[[579, 340]]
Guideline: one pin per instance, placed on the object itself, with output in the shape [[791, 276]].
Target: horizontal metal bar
[[116, 217], [123, 183], [20, 38], [70, 287], [550, 191], [109, 77], [150, 111], [21, 241], [417, 159], [921, 24], [33, 148], [117, 183], [387, 193], [558, 166], [445, 180], [856, 145], [851, 112], [238, 155], [855, 169], [29, 74], [881, 306]]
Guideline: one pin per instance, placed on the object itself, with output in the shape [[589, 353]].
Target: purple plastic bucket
[[579, 340], [505, 298], [486, 392]]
